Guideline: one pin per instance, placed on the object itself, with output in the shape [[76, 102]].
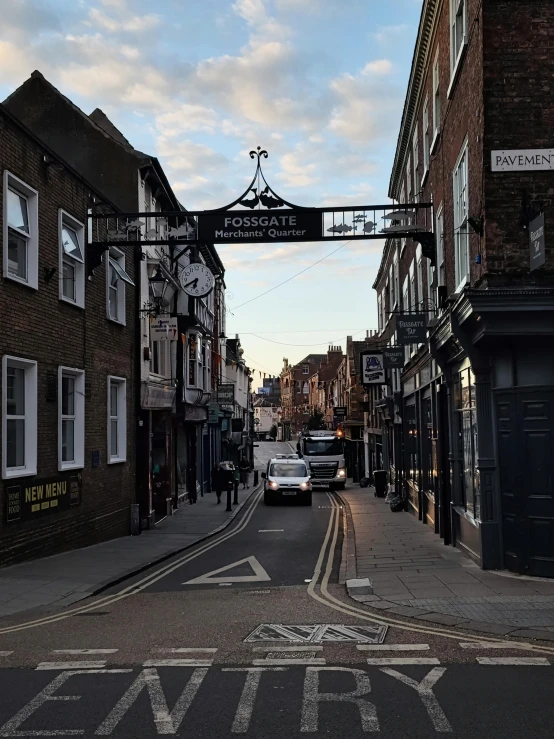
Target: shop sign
[[522, 160], [164, 327], [213, 413], [373, 372], [537, 242], [26, 501], [157, 397], [411, 328], [339, 412], [196, 413], [226, 394], [243, 227], [393, 358]]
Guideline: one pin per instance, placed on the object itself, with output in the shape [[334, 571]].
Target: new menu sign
[[25, 501], [238, 227]]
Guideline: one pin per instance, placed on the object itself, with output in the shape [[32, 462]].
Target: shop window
[[427, 443], [464, 386], [412, 456]]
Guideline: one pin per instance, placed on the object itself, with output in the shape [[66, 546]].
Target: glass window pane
[[17, 255], [18, 216], [113, 399], [120, 272], [68, 280], [113, 274], [68, 440], [70, 242], [114, 441], [68, 396], [15, 443], [15, 391], [112, 300], [467, 457]]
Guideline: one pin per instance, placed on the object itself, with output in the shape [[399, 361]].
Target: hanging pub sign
[[226, 394], [393, 357], [339, 412], [25, 501], [537, 242], [411, 328], [373, 371], [242, 227]]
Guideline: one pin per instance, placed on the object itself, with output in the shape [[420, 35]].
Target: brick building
[[68, 369], [322, 385], [295, 393], [468, 422]]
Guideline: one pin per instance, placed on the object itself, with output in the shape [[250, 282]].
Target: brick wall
[[37, 325]]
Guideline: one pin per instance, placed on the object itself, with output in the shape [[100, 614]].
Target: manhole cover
[[318, 633]]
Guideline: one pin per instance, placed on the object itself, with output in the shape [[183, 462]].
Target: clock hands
[[192, 282]]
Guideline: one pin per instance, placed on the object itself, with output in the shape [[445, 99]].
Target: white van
[[287, 478]]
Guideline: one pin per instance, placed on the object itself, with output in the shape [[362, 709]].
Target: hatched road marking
[[71, 665], [381, 661], [392, 647], [513, 661], [260, 575]]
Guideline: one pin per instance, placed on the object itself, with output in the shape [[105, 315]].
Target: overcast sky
[[319, 83]]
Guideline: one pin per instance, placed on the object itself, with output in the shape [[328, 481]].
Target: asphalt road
[[251, 633]]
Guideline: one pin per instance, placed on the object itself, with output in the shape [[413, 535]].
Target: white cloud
[[122, 19], [386, 35], [185, 118], [378, 67]]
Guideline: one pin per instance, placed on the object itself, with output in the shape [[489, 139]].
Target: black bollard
[[229, 507], [256, 473], [236, 495]]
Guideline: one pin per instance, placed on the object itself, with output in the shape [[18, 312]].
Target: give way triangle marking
[[260, 575]]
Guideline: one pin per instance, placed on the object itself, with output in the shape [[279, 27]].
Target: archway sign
[[259, 215]]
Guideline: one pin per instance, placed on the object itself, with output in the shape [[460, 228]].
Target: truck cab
[[323, 452]]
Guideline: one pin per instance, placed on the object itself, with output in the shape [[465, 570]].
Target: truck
[[323, 452]]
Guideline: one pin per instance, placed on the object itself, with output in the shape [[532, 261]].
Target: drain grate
[[318, 633]]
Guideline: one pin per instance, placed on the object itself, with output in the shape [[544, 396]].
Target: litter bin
[[381, 483]]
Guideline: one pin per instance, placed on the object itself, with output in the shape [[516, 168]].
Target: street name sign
[[241, 227]]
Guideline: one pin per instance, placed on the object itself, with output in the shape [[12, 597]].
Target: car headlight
[[274, 485], [342, 473], [305, 486]]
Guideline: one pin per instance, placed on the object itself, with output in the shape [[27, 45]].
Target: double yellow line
[[147, 580], [326, 557]]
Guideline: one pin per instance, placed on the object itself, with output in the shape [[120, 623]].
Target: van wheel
[[267, 499]]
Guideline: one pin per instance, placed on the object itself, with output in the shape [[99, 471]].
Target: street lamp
[[161, 290]]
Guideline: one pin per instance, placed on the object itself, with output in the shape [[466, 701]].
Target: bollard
[[256, 474], [229, 507], [236, 495]]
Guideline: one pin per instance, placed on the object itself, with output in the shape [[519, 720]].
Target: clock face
[[197, 280]]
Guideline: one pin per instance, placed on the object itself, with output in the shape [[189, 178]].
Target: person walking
[[244, 467], [218, 480]]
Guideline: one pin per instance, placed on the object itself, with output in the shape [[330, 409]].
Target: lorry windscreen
[[323, 447], [288, 470]]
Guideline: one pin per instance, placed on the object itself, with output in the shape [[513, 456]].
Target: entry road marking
[[71, 665], [392, 647], [492, 645], [291, 661], [84, 651], [269, 531], [538, 661], [177, 663], [208, 650], [288, 649], [402, 661]]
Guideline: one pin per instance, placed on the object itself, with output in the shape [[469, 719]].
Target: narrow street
[[251, 632]]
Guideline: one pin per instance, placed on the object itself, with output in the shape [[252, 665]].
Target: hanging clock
[[197, 280]]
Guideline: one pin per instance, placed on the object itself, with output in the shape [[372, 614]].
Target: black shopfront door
[[526, 461]]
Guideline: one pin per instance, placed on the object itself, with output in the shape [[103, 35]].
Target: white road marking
[[167, 722], [403, 661], [311, 699], [194, 650], [225, 584], [178, 663], [10, 728], [84, 651], [260, 575], [288, 649], [492, 645], [290, 661], [269, 531], [425, 691], [392, 647], [245, 707], [71, 665], [6, 654], [541, 661]]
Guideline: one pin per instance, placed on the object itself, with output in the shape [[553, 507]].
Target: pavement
[[63, 579], [413, 574]]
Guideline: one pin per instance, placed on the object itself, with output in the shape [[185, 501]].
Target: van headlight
[[305, 486], [274, 485], [342, 472]]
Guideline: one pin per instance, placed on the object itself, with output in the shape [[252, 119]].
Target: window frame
[[402, 200], [436, 101], [118, 256], [461, 224], [67, 220], [426, 141], [415, 162], [78, 416], [439, 235], [121, 418], [198, 371], [30, 417], [456, 58], [12, 182], [305, 369]]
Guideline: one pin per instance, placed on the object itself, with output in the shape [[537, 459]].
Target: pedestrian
[[218, 480], [244, 467]]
